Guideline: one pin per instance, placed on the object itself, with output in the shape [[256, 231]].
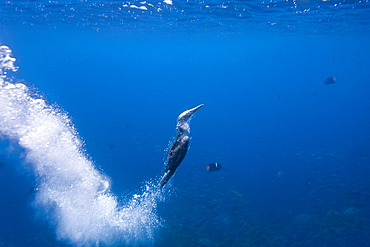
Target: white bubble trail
[[72, 194]]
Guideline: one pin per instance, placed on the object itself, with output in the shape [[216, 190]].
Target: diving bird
[[180, 146]]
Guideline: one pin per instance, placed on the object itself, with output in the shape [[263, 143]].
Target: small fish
[[330, 80], [32, 190], [308, 182], [213, 167], [236, 193]]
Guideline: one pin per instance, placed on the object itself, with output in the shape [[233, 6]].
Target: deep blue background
[[266, 110]]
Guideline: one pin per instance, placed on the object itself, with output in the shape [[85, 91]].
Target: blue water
[[89, 96]]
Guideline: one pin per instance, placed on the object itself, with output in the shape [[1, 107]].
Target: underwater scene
[[181, 123]]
